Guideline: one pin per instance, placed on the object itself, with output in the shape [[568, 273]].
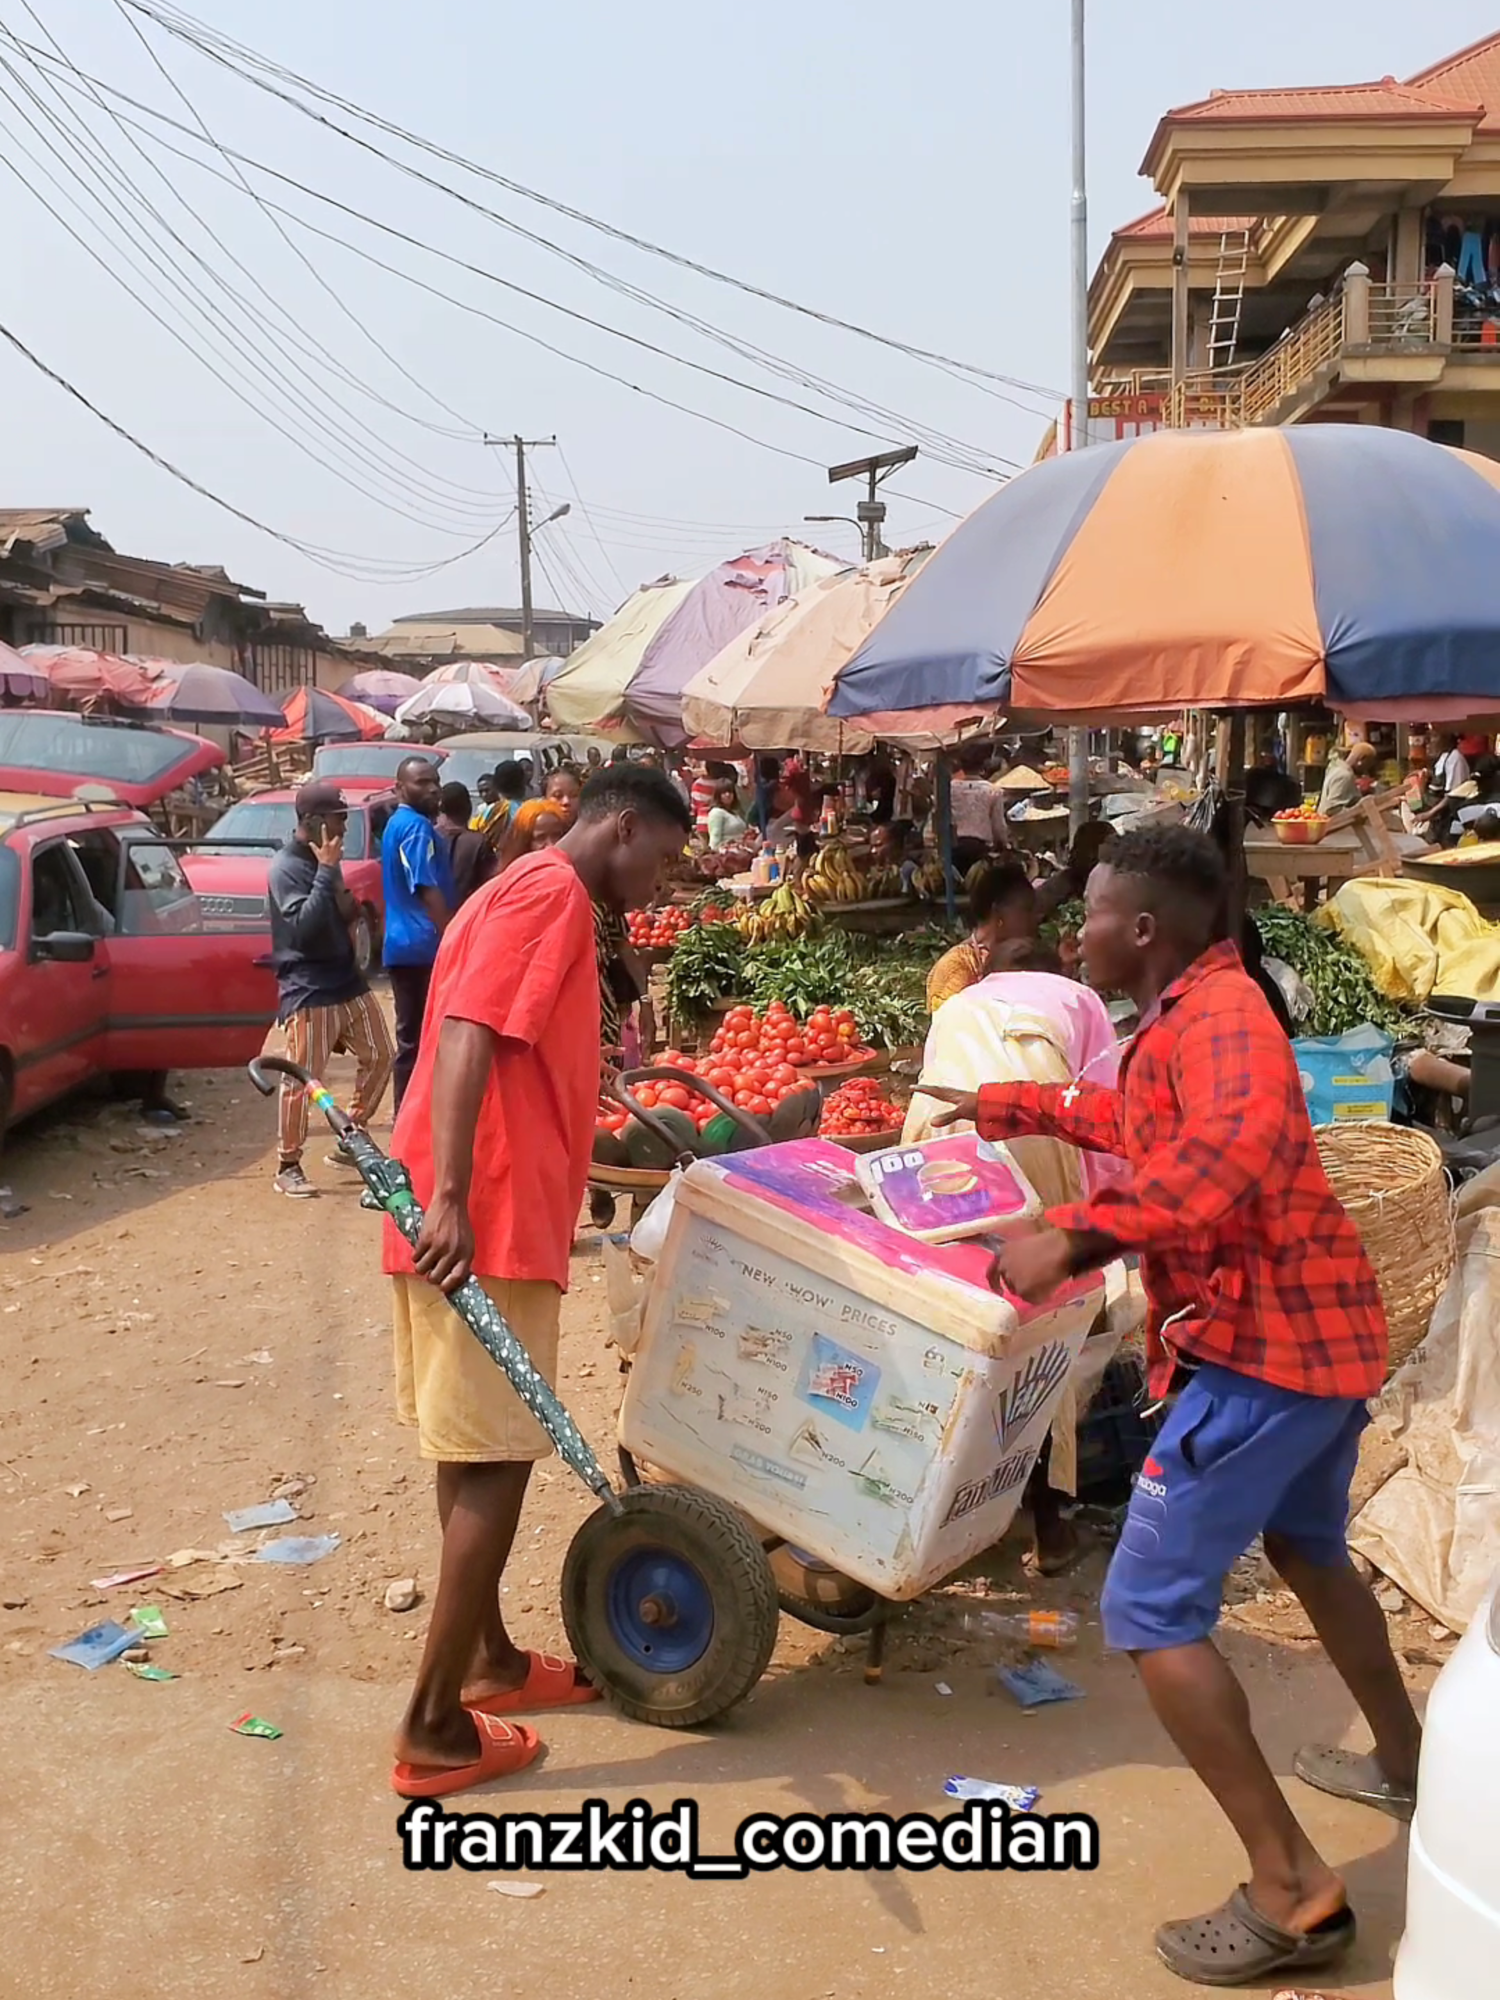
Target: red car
[[105, 966], [230, 866], [91, 756]]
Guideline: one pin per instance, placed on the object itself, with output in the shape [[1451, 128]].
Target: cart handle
[[619, 1089], [265, 1069]]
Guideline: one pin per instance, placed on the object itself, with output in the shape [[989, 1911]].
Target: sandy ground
[[178, 1341]]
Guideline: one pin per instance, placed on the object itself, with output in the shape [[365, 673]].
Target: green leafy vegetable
[[707, 964], [1344, 995]]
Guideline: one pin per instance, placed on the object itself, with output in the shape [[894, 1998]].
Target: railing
[[1302, 350], [1401, 316]]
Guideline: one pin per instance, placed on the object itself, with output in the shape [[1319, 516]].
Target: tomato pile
[[778, 1038], [657, 930], [859, 1106], [1300, 812]]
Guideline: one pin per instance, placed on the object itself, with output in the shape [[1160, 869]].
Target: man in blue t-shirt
[[419, 901]]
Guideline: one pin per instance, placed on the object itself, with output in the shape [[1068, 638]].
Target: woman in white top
[[725, 823]]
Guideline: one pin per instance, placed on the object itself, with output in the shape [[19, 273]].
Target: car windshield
[[76, 747], [467, 767], [368, 760], [271, 822]]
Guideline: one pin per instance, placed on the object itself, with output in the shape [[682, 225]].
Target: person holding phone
[[325, 1003]]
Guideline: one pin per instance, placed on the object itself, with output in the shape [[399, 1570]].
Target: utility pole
[[1078, 437], [871, 511], [524, 530]]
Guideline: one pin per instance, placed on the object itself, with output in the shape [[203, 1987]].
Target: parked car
[[230, 866], [1451, 1949], [368, 766], [106, 968], [81, 756], [468, 758]]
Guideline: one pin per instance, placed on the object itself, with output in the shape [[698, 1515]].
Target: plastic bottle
[[1057, 1631]]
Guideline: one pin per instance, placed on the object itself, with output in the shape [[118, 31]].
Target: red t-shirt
[[518, 959]]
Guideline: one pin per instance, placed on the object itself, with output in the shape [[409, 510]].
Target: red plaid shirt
[[1247, 1256]]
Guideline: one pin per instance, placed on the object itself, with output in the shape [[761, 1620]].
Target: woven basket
[[1391, 1181]]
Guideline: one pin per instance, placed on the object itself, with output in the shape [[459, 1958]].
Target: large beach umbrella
[[380, 687], [1205, 569], [197, 692], [532, 681], [313, 715], [462, 705], [766, 689], [473, 673], [650, 677], [589, 691]]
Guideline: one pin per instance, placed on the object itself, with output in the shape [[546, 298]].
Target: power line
[[357, 462], [160, 118], [210, 42], [372, 569], [934, 442]]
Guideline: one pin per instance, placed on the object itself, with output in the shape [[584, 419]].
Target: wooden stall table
[[1357, 842]]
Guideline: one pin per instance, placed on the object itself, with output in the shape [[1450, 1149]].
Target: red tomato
[[645, 1096], [784, 1074], [760, 1107], [676, 1095]]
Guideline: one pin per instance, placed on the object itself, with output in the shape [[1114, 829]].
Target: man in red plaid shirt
[[1267, 1330]]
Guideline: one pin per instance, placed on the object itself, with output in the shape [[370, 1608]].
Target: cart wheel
[[820, 1596], [670, 1605]]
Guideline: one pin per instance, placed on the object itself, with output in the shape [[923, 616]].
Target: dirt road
[[179, 1341]]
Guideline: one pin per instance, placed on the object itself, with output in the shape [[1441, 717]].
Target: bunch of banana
[[831, 878], [882, 883], [930, 882], [784, 914]]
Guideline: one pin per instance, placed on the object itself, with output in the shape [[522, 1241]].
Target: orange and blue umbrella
[[1333, 563]]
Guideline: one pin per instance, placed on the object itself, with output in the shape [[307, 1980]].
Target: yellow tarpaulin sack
[[1417, 940]]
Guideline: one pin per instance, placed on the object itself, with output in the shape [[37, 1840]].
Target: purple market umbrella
[[200, 693], [718, 608], [20, 680], [380, 687]]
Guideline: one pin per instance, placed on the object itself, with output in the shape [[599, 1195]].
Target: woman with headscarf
[[537, 824]]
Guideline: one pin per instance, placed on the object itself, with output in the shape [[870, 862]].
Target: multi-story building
[[1320, 253]]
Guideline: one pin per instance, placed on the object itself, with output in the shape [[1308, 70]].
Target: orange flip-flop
[[549, 1683], [504, 1749]]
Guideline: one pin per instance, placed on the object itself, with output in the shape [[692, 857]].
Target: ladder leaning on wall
[[1229, 298]]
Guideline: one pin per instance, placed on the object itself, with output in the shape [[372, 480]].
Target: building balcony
[[1367, 340]]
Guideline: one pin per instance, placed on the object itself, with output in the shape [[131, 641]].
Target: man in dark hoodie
[[325, 1002]]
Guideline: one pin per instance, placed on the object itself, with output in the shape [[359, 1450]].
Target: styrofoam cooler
[[865, 1395]]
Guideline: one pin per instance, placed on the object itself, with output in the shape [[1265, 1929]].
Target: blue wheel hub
[[660, 1610]]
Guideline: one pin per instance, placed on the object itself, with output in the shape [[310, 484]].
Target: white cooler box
[[864, 1395]]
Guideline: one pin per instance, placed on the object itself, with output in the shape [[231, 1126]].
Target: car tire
[[7, 1098], [365, 931]]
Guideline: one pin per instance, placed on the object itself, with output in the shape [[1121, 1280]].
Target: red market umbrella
[[84, 676], [313, 715]]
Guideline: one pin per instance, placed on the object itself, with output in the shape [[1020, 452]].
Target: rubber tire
[[823, 1598], [7, 1098], [723, 1548], [364, 932]]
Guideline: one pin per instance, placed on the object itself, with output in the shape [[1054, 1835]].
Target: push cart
[[844, 1416]]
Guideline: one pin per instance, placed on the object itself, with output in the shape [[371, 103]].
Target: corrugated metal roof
[[1473, 75], [38, 527], [1384, 99]]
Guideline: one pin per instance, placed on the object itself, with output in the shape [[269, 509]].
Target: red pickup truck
[[105, 965]]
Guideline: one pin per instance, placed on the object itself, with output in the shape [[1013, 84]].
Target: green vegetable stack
[[1344, 995]]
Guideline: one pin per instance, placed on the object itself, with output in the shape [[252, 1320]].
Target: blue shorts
[[1236, 1458]]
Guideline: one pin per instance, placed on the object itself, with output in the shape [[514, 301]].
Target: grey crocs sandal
[[1235, 1944], [1350, 1774]]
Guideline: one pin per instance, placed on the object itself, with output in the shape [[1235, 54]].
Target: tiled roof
[[1473, 75], [1385, 99], [1157, 222]]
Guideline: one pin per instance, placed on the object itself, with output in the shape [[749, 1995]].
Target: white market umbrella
[[463, 705]]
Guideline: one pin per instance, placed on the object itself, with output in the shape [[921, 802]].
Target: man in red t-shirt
[[496, 1130]]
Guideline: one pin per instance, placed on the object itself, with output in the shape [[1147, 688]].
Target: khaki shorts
[[460, 1401]]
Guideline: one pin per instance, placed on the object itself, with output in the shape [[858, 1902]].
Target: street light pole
[[1078, 430]]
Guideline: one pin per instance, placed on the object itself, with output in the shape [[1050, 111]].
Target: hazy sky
[[906, 170]]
